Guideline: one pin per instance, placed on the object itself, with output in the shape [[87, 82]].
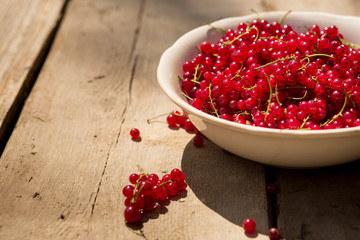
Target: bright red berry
[[135, 133], [128, 191], [198, 140], [249, 225], [132, 214], [274, 234]]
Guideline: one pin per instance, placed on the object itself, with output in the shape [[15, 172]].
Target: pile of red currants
[[146, 191], [265, 74]]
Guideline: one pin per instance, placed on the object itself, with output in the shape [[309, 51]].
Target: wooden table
[[76, 76]]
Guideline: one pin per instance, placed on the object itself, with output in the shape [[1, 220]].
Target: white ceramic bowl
[[280, 148]]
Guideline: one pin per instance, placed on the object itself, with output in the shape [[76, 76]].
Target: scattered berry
[[274, 234], [249, 225], [272, 189], [198, 140], [135, 133]]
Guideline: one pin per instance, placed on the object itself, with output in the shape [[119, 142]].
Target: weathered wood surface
[[66, 162], [25, 31]]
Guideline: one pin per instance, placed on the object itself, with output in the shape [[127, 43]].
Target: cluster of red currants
[[178, 119], [146, 191], [266, 74]]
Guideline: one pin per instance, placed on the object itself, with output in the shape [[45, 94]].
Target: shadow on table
[[325, 200], [319, 200], [229, 185]]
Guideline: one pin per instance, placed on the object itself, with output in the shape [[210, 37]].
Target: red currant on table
[[274, 234], [249, 225], [198, 140], [132, 214], [135, 133]]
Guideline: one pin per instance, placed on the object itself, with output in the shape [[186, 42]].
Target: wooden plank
[[53, 164], [26, 28], [64, 167], [223, 189]]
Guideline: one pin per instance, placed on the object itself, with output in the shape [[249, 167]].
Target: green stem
[[270, 97], [186, 96], [300, 98], [151, 119], [257, 14], [319, 55], [283, 17], [353, 45], [276, 95], [337, 115], [217, 28], [305, 120], [196, 78], [133, 231], [212, 102], [269, 63], [238, 72], [242, 34]]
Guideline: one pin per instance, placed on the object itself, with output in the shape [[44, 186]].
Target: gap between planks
[[14, 112]]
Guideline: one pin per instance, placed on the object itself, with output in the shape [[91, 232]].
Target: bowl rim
[[167, 58]]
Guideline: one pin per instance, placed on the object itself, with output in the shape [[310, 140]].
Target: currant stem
[[276, 95], [283, 17], [212, 102], [133, 231], [353, 45], [305, 120], [238, 72], [301, 98], [270, 97], [272, 62], [337, 115], [136, 194], [186, 96], [196, 78], [217, 28], [151, 119], [241, 35], [257, 14]]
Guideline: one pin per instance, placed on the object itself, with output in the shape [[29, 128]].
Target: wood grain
[[24, 37]]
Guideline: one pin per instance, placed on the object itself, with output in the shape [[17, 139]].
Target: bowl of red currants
[[278, 88]]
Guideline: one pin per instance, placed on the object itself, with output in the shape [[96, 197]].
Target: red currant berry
[[176, 174], [274, 234], [145, 187], [132, 214], [272, 189], [133, 178], [138, 203], [135, 133], [149, 202], [249, 225], [172, 121], [198, 140], [128, 191], [166, 178]]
